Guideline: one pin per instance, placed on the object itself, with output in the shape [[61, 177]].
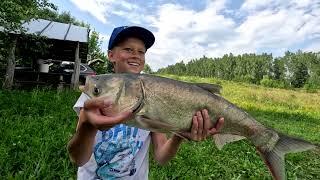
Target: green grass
[[35, 127]]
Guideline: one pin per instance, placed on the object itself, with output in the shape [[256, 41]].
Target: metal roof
[[56, 30]]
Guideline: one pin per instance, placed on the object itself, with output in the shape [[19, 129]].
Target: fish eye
[[96, 91]]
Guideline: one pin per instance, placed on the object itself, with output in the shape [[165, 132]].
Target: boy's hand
[[201, 125], [99, 113]]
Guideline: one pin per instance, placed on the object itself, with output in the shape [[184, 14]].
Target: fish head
[[125, 91], [102, 86]]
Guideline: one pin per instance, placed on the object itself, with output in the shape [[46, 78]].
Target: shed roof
[[63, 38], [57, 30]]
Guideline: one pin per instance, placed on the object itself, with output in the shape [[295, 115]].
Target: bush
[[311, 88], [267, 82], [246, 79]]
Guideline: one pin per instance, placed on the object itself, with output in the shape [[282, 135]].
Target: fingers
[[206, 122], [103, 122], [194, 128], [220, 123], [194, 133], [217, 126], [200, 126], [199, 129], [97, 103], [102, 115]]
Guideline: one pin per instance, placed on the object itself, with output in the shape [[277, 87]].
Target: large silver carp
[[166, 105]]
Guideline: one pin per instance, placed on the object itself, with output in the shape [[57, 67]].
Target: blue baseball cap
[[122, 32]]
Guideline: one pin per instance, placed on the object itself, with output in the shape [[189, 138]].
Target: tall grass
[[35, 127]]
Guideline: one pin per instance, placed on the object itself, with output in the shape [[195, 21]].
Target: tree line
[[293, 70]]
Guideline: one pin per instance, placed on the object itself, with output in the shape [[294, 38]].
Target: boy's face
[[128, 56]]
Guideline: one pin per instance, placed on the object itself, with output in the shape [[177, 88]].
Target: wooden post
[[76, 70], [11, 64]]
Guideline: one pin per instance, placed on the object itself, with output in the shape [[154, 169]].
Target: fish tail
[[274, 158]]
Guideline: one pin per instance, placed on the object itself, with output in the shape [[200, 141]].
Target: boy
[[107, 149]]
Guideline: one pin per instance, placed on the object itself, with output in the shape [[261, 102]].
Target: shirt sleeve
[[80, 102]]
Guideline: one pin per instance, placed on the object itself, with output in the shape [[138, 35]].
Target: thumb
[[101, 120], [217, 126], [97, 103]]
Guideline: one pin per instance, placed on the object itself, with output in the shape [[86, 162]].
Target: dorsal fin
[[213, 88]]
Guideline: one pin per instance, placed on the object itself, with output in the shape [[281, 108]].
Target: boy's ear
[[110, 55]]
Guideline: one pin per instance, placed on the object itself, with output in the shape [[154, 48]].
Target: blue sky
[[188, 29]]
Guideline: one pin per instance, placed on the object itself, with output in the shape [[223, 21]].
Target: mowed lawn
[[35, 127]]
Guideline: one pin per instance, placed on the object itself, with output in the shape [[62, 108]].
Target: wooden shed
[[68, 43]]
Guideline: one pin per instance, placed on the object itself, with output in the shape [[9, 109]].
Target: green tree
[[294, 69], [96, 54], [147, 69], [278, 69], [12, 15], [313, 64], [64, 17], [297, 70]]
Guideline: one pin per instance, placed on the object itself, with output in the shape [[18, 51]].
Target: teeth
[[134, 64]]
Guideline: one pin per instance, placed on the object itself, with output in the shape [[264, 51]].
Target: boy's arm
[[165, 149], [80, 146], [91, 119]]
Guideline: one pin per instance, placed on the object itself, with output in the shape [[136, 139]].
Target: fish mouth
[[83, 89], [138, 106]]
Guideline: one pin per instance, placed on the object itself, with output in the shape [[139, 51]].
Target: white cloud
[[182, 33], [253, 5], [270, 26], [103, 9], [104, 37], [280, 27], [96, 8]]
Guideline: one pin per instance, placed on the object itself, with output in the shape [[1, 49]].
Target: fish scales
[[183, 100]]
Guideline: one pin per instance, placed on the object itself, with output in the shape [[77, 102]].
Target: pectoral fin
[[222, 139], [155, 125]]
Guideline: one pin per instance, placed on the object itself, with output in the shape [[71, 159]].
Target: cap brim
[[134, 31]]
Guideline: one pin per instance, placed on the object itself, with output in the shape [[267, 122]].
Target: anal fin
[[223, 139]]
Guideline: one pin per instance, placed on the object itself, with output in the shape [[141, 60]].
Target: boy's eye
[[142, 52], [129, 50]]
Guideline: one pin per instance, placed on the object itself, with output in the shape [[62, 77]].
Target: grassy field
[[35, 127]]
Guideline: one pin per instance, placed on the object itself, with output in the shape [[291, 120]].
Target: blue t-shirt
[[120, 152]]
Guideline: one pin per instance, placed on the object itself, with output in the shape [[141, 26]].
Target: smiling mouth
[[134, 64]]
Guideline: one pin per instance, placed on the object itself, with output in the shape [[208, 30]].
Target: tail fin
[[274, 159]]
